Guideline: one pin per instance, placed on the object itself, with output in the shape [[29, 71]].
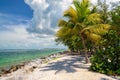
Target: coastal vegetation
[[93, 28]]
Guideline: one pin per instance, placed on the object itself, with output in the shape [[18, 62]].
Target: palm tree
[[83, 22]]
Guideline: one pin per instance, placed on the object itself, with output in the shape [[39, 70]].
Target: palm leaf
[[94, 33], [62, 23], [82, 9], [97, 29], [92, 19], [71, 13]]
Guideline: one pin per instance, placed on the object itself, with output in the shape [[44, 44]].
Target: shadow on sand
[[68, 65]]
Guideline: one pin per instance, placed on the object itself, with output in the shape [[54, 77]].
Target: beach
[[62, 67]]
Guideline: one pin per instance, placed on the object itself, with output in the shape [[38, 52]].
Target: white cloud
[[46, 14], [17, 37]]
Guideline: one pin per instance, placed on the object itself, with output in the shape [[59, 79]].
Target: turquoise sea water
[[17, 56]]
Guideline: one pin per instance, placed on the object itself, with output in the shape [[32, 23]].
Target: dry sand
[[64, 68]]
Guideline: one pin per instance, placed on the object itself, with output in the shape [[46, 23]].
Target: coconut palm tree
[[84, 22]]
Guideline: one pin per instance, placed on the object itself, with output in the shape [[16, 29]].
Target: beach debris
[[12, 69], [31, 69], [4, 71]]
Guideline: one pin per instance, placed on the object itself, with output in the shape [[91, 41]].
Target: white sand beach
[[63, 68]]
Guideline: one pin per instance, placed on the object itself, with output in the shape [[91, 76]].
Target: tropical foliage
[[81, 26], [87, 27], [107, 59]]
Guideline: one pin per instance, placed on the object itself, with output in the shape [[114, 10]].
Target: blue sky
[[30, 24], [16, 7]]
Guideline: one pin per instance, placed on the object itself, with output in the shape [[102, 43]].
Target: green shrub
[[107, 57]]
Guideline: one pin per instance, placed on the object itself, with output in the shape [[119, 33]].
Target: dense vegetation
[[107, 57], [96, 29]]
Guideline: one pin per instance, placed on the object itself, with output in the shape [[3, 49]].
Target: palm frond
[[82, 9], [62, 23], [97, 29], [101, 28], [92, 19], [63, 32], [94, 33], [92, 36], [71, 13]]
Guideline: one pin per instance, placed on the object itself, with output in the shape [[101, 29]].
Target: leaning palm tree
[[85, 23]]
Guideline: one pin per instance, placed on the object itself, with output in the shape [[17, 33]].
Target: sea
[[11, 57]]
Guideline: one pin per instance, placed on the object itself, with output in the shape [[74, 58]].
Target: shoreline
[[11, 57], [59, 67], [41, 60]]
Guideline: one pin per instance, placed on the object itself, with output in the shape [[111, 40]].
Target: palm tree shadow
[[104, 79], [68, 65]]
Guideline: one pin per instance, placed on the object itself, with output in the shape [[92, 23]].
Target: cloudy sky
[[30, 24]]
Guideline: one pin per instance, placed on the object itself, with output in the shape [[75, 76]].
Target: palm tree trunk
[[79, 51], [85, 50], [71, 51]]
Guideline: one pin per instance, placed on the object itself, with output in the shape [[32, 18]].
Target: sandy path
[[65, 68]]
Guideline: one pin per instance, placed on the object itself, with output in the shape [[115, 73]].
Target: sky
[[30, 24]]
